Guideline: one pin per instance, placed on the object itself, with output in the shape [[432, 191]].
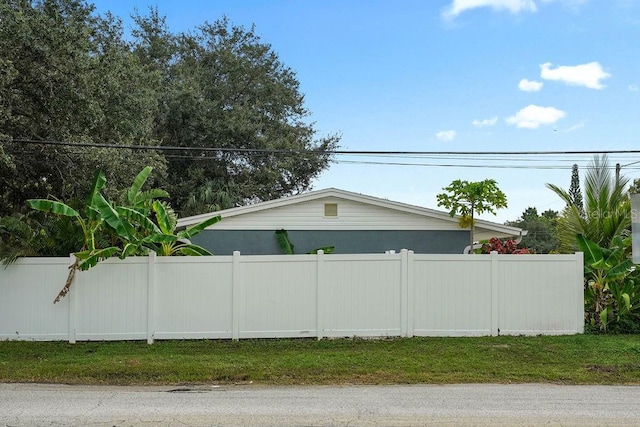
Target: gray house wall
[[263, 242]]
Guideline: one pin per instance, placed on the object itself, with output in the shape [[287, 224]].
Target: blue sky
[[451, 75]]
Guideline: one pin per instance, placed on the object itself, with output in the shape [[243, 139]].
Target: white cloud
[[446, 135], [513, 6], [634, 88], [485, 123], [588, 75], [533, 116], [529, 85]]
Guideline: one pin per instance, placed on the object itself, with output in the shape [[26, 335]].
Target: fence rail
[[236, 297]]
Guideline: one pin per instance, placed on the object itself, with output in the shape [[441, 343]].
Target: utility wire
[[350, 152], [462, 165], [555, 160]]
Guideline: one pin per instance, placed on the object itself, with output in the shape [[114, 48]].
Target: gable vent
[[331, 210]]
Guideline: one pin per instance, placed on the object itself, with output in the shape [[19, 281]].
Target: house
[[351, 222]]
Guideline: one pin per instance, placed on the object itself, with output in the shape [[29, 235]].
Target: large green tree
[[574, 189], [226, 89], [68, 75], [541, 235]]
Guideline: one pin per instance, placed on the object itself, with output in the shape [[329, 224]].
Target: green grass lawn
[[578, 359]]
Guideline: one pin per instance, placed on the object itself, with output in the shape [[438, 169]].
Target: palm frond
[[607, 209]]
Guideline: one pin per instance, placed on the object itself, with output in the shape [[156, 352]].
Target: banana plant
[[611, 290], [283, 241], [132, 228], [166, 241], [91, 223], [140, 200]]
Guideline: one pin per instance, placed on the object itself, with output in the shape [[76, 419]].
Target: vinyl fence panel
[[534, 297], [278, 296], [192, 298], [27, 291], [235, 297], [110, 300], [452, 295], [361, 295]]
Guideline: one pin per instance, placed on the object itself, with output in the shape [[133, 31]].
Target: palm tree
[[211, 196], [607, 208]]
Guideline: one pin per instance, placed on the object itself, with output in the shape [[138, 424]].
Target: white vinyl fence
[[234, 297]]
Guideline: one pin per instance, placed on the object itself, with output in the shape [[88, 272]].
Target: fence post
[[236, 296], [73, 304], [495, 300], [580, 291], [319, 284], [404, 292], [411, 305], [151, 292]]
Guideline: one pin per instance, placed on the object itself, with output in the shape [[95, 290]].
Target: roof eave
[[333, 192]]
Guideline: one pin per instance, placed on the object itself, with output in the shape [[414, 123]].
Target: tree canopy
[[470, 198], [68, 76], [220, 93], [541, 235]]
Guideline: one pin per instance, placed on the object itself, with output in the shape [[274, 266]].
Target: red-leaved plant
[[506, 247]]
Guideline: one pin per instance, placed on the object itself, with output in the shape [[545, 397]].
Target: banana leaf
[[136, 198], [592, 252], [138, 182], [193, 250], [137, 217], [122, 227], [99, 181], [52, 206], [285, 244], [627, 301], [196, 229], [130, 249], [89, 259], [621, 270], [154, 193], [165, 222], [161, 238], [604, 318]]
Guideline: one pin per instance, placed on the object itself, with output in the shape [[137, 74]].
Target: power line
[[345, 152], [554, 160], [462, 165]]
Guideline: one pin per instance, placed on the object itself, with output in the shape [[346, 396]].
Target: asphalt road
[[250, 405]]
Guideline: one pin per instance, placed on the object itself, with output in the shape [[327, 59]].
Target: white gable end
[[351, 215], [347, 211]]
